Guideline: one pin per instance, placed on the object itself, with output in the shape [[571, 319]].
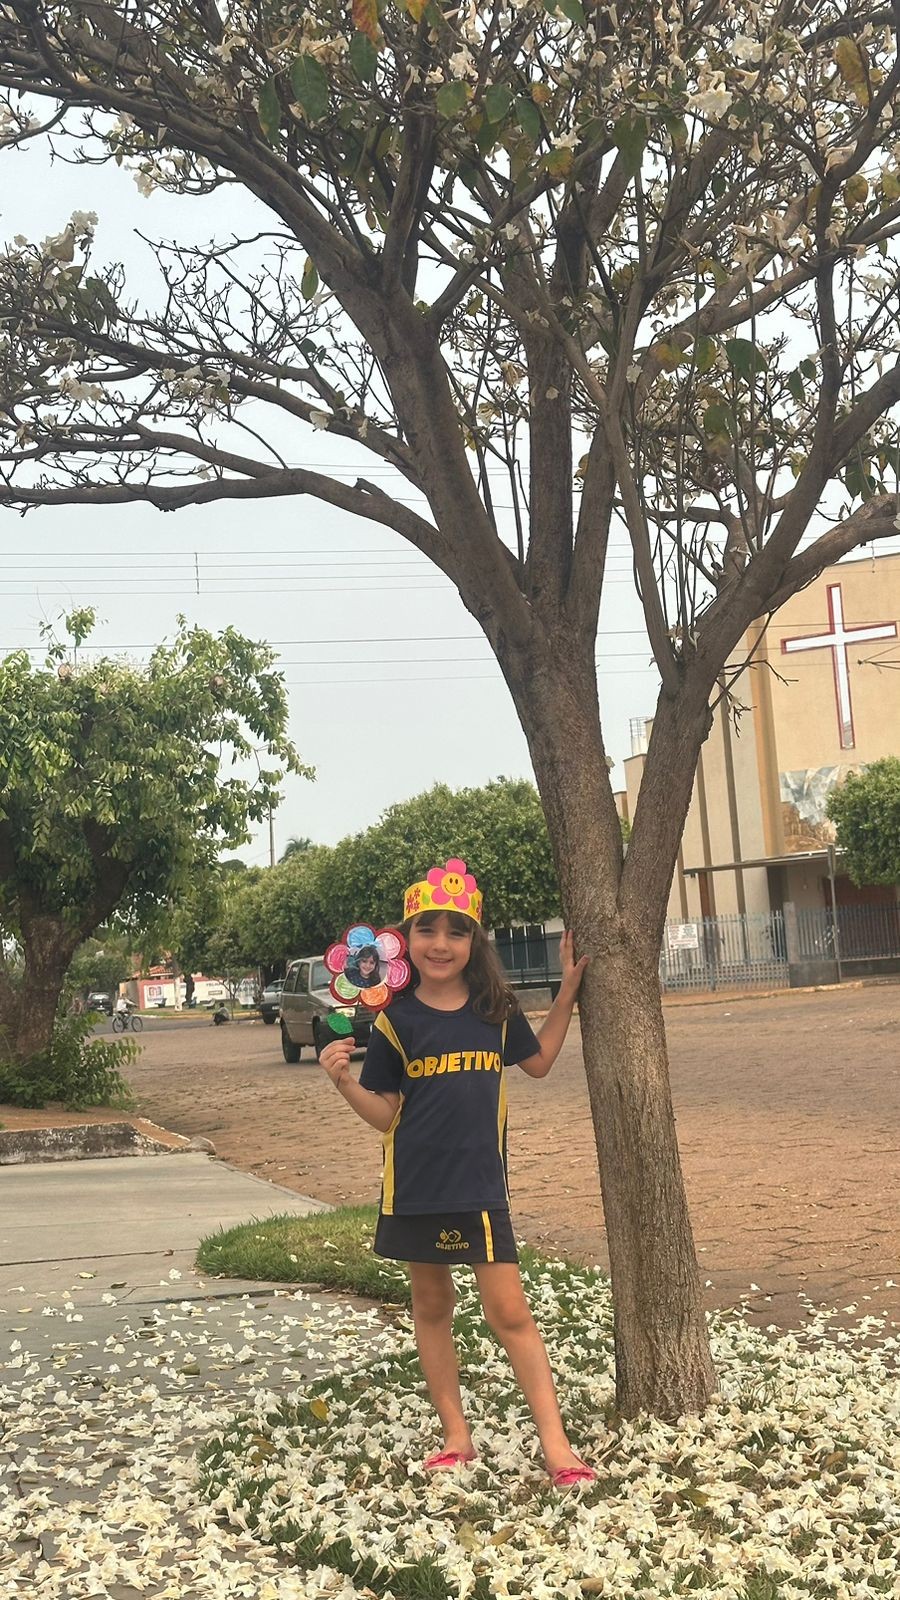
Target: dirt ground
[[788, 1113]]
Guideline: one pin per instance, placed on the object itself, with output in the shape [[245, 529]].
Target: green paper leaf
[[310, 86]]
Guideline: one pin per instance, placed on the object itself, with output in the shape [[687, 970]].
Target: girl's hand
[[572, 970], [335, 1059]]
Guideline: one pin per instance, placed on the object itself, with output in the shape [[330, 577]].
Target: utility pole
[[271, 838]]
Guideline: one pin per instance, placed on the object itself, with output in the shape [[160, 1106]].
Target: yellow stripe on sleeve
[[488, 1236], [385, 1027]]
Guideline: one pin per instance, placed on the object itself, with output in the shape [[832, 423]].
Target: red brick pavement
[[788, 1113]]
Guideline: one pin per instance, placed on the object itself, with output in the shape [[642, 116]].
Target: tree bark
[[663, 1364], [49, 945]]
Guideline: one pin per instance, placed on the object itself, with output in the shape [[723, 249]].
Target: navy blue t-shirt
[[446, 1149]]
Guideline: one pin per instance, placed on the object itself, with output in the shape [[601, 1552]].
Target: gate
[[731, 952]]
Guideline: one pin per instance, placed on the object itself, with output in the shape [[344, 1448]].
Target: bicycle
[[123, 1020]]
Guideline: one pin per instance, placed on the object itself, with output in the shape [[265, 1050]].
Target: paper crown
[[446, 888]]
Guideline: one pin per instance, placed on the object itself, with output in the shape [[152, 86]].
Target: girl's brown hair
[[489, 989]]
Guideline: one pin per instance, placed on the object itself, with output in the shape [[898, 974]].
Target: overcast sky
[[392, 687]]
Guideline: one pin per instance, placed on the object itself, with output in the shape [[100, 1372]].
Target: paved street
[[788, 1119]]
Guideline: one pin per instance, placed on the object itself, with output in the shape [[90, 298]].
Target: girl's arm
[[379, 1110], [551, 1036]]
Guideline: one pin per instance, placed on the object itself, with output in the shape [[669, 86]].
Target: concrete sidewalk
[[110, 1343]]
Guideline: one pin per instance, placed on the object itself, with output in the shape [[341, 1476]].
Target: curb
[[721, 997], [86, 1141]]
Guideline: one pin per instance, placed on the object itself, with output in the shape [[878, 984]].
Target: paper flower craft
[[446, 888], [367, 966]]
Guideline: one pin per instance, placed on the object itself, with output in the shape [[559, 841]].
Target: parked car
[[306, 1001], [99, 1002], [269, 1003]]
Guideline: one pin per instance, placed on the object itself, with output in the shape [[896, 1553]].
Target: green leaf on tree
[[630, 136], [717, 420], [310, 86], [452, 98], [309, 283], [497, 102], [796, 386], [668, 354], [572, 9], [704, 353], [528, 118], [745, 358], [363, 57], [269, 111]]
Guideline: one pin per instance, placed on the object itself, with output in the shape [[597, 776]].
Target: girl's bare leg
[[508, 1315], [433, 1300]]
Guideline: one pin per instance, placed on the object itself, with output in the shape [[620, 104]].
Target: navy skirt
[[447, 1237]]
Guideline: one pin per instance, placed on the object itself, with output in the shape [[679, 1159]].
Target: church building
[[820, 698]]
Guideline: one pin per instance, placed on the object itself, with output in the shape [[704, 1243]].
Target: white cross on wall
[[836, 641]]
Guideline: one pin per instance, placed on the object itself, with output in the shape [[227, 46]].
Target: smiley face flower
[[452, 885]]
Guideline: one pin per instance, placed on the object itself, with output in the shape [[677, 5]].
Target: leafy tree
[[644, 254], [111, 795], [865, 809], [500, 828], [100, 964], [205, 931]]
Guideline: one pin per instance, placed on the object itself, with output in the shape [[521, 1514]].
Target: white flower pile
[[788, 1487], [127, 1471]]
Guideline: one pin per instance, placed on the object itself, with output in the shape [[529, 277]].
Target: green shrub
[[77, 1070]]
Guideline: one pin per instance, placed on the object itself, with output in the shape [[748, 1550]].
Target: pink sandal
[[443, 1460], [569, 1477]]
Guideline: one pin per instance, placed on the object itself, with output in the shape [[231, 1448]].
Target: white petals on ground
[[787, 1489], [133, 1467], [98, 1442]]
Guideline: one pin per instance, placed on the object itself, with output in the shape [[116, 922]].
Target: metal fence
[[761, 950], [765, 950], [729, 952], [864, 933]]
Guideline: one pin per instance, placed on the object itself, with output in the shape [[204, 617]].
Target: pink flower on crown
[[452, 885]]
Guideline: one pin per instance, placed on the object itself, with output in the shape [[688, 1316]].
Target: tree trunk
[[49, 946], [663, 1364]]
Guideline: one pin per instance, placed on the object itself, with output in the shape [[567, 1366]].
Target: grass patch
[[329, 1248]]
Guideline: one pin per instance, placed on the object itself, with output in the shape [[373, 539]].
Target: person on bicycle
[[124, 1008]]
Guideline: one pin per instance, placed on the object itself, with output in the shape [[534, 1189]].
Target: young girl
[[433, 1085]]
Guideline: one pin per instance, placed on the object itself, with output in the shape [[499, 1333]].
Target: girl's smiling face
[[438, 950], [367, 965]]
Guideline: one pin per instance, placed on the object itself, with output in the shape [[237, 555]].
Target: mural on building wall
[[804, 798]]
